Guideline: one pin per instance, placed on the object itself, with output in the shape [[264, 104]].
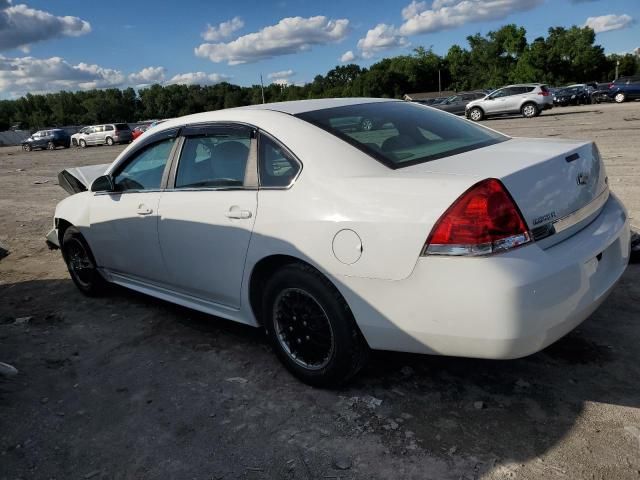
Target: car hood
[[79, 179]]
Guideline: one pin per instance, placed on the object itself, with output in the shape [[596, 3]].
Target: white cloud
[[445, 14], [606, 23], [198, 78], [348, 56], [38, 75], [381, 37], [282, 74], [223, 30], [281, 81], [147, 76], [289, 35], [21, 26]]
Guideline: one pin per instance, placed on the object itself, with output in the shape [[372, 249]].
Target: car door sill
[[164, 293]]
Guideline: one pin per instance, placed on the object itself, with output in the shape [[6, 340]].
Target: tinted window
[[503, 92], [214, 160], [144, 171], [403, 133], [277, 167], [108, 128], [122, 126]]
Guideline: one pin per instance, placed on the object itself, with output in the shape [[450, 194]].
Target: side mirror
[[104, 183]]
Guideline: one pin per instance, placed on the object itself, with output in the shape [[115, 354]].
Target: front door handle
[[236, 212], [144, 210]]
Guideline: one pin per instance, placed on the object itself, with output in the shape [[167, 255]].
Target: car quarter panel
[[504, 306]]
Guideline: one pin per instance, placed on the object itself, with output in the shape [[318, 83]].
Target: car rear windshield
[[122, 126], [400, 134]]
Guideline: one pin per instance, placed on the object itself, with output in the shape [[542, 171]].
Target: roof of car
[[301, 106]]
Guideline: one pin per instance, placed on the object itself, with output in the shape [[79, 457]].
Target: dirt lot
[[126, 386]]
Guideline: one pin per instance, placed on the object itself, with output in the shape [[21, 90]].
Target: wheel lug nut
[[291, 329], [308, 337], [299, 341], [304, 323]]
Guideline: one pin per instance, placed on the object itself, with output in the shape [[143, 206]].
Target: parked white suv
[[527, 99]]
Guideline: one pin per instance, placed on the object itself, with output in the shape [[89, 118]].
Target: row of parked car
[[106, 134], [531, 99]]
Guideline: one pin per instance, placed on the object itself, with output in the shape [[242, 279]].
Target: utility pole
[[439, 83], [617, 66], [262, 88]]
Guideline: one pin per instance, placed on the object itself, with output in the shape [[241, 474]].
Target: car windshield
[[400, 134]]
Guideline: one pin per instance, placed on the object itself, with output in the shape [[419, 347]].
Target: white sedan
[[425, 233]]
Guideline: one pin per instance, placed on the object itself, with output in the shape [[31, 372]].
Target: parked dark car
[[574, 95], [600, 93], [456, 104], [49, 139], [625, 88]]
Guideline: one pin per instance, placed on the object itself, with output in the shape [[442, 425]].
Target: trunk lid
[[559, 183]]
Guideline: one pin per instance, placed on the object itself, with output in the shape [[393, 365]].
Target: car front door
[[497, 101], [206, 219], [123, 231]]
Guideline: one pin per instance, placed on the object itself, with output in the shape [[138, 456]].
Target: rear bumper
[[122, 138], [506, 306]]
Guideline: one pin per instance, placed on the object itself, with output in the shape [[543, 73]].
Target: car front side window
[[144, 171]]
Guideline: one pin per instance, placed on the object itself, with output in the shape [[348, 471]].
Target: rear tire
[[476, 114], [620, 97], [311, 327], [109, 141], [81, 263], [529, 110]]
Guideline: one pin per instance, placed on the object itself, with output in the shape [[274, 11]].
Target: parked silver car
[[527, 99], [107, 134]]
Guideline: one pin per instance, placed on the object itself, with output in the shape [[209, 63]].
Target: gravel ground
[[126, 386]]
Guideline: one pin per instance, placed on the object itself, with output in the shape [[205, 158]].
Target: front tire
[[476, 114], [620, 97], [51, 146], [81, 263], [311, 327], [529, 110], [83, 143], [26, 147]]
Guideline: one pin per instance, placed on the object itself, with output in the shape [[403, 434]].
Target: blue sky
[[48, 46]]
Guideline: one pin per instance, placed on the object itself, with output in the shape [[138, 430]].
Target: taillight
[[483, 220], [544, 94], [611, 85]]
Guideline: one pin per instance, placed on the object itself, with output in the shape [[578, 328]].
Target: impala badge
[[583, 178]]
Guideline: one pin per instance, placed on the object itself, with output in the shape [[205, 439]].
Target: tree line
[[565, 55]]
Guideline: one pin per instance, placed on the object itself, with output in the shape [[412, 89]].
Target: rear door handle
[[236, 212], [144, 210]]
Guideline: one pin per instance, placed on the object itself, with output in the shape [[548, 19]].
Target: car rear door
[[123, 231], [207, 214]]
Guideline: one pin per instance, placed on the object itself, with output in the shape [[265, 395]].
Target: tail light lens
[[544, 94], [611, 85], [482, 221]]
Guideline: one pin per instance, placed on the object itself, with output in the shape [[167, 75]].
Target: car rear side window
[[108, 128], [403, 133], [144, 171], [215, 160], [277, 167]]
